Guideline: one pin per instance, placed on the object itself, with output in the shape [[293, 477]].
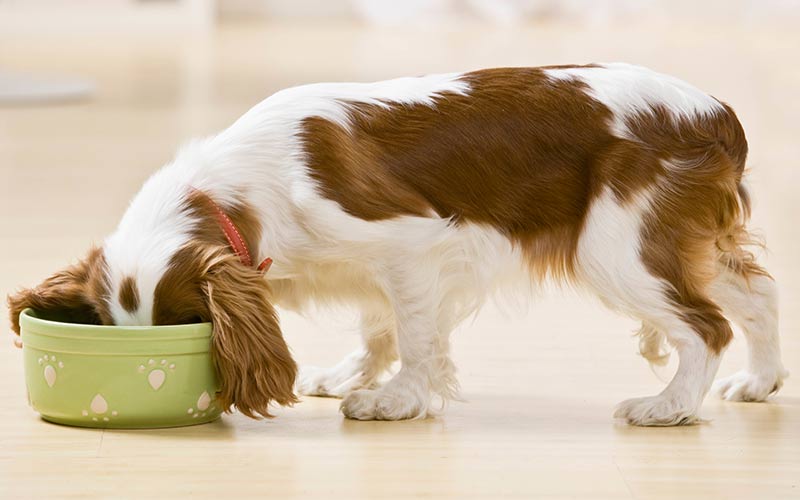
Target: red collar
[[234, 237]]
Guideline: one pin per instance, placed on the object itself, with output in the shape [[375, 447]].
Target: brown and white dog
[[414, 199]]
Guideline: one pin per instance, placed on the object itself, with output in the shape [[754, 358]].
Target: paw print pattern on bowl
[[98, 409], [51, 367], [156, 372], [203, 403]]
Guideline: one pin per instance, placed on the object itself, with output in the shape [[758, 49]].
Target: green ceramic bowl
[[123, 377]]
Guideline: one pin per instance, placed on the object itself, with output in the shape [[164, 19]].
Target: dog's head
[[200, 280]]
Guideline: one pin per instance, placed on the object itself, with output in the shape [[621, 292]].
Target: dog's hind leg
[[362, 368], [687, 330], [661, 284], [748, 296]]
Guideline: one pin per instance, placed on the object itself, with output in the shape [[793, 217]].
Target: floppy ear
[[252, 360], [75, 294]]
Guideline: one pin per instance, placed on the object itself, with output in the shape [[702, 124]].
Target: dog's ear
[[77, 294], [252, 359]]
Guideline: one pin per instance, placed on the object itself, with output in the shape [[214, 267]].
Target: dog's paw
[[333, 382], [383, 404], [746, 386], [661, 410]]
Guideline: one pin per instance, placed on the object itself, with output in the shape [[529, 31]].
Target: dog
[[414, 199]]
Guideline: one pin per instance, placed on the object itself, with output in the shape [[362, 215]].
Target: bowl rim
[[36, 325]]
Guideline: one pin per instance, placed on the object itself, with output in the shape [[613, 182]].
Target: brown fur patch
[[178, 297], [527, 155], [78, 294], [252, 359], [129, 294], [516, 153]]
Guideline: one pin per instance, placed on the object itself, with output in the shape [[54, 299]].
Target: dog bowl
[[123, 377]]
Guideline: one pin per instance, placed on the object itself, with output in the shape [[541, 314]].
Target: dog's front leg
[[423, 345]]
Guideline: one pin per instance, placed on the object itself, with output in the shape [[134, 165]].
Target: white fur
[[753, 304], [628, 90], [415, 278], [608, 256]]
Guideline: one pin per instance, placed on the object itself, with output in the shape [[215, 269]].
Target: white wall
[[106, 16], [511, 11]]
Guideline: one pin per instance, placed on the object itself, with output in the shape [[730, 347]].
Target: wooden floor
[[540, 385]]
